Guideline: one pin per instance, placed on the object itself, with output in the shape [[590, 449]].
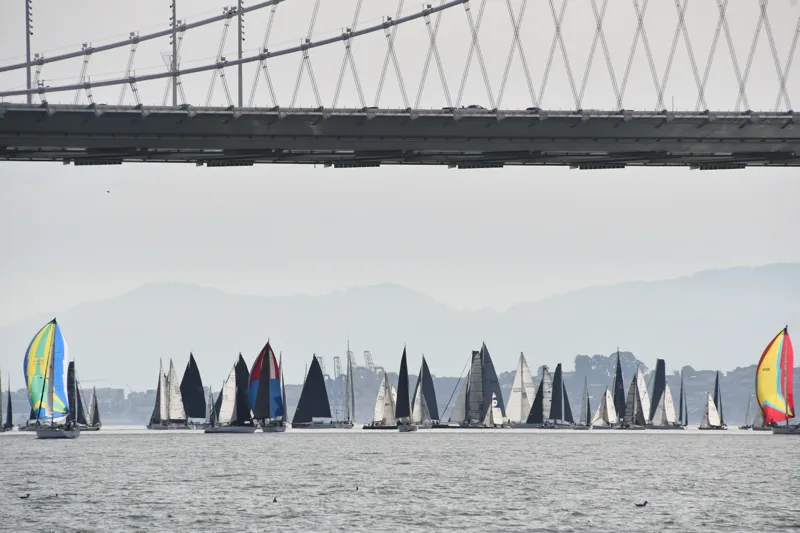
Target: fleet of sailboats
[[424, 409], [232, 408], [480, 401]]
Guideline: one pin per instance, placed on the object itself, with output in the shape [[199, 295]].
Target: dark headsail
[[9, 411], [557, 403], [95, 410], [567, 409], [659, 384], [537, 409], [194, 397], [155, 418], [619, 390], [243, 414], [313, 401], [428, 392], [215, 411], [76, 412], [718, 399], [491, 385], [402, 407], [261, 369]]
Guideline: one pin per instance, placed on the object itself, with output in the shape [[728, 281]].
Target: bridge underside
[[461, 138]]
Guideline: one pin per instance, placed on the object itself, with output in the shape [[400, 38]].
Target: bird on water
[[25, 497], [642, 504]]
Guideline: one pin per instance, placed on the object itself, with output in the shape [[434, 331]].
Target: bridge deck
[[463, 138]]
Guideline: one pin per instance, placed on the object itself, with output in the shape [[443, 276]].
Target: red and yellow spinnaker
[[774, 379]]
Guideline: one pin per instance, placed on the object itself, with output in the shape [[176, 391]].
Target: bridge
[[462, 83]]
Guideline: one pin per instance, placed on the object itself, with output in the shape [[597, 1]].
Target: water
[[442, 480]]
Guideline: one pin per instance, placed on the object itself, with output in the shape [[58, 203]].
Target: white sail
[[644, 398], [163, 399], [416, 409], [389, 405], [227, 408], [585, 414], [459, 411], [713, 414], [669, 406], [174, 397], [377, 414], [610, 411], [547, 392], [494, 416], [522, 393], [758, 420]]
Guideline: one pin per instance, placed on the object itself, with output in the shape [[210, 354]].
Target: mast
[[347, 385], [283, 388]]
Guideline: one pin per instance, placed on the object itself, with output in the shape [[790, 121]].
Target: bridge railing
[[513, 54]]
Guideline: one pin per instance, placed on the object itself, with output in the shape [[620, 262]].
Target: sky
[[470, 238]]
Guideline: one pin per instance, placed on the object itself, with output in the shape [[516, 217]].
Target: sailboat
[[402, 412], [683, 407], [618, 390], [266, 396], [168, 411], [94, 413], [45, 366], [350, 393], [383, 416], [193, 395], [663, 408], [480, 393], [585, 422], [522, 393], [76, 411], [233, 414], [424, 409], [637, 404], [713, 416], [775, 385], [314, 409], [8, 425], [560, 410], [606, 416], [542, 402]]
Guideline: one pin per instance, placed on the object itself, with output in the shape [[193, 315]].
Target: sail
[[606, 414], [265, 392], [619, 390], [349, 393], [774, 375], [475, 390], [156, 417], [557, 402], [658, 386], [428, 392], [211, 414], [389, 404], [403, 409], [417, 414], [95, 410], [669, 405], [243, 413], [491, 385], [494, 416], [227, 399], [644, 398], [45, 364], [567, 409], [660, 414], [758, 420], [76, 410], [718, 399], [283, 390], [522, 393], [174, 397], [458, 415], [634, 411], [194, 397], [682, 421], [9, 423], [313, 401], [377, 414], [540, 410], [586, 408]]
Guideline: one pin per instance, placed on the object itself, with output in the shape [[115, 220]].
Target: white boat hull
[[57, 433], [406, 428], [230, 429]]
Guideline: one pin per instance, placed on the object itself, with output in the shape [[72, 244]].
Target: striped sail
[[774, 379], [46, 362], [270, 373]]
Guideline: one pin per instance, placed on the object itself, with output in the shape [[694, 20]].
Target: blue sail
[[47, 347]]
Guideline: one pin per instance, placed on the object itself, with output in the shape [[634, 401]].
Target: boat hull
[[786, 430], [322, 425], [761, 428], [368, 426], [168, 427], [601, 428], [713, 428], [274, 429], [407, 428], [230, 429], [57, 433], [582, 428], [665, 428], [90, 428], [631, 428]]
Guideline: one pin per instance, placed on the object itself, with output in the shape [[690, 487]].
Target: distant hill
[[714, 319]]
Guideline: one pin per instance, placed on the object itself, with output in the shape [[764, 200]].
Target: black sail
[[557, 402], [536, 416], [216, 408], [619, 391], [658, 386], [262, 407], [9, 411], [81, 408], [243, 414], [194, 397], [95, 410], [403, 408], [428, 391], [491, 385], [32, 416], [313, 401], [718, 399], [567, 409], [76, 412], [155, 418]]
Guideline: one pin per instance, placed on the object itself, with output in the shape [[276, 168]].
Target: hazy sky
[[470, 238]]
